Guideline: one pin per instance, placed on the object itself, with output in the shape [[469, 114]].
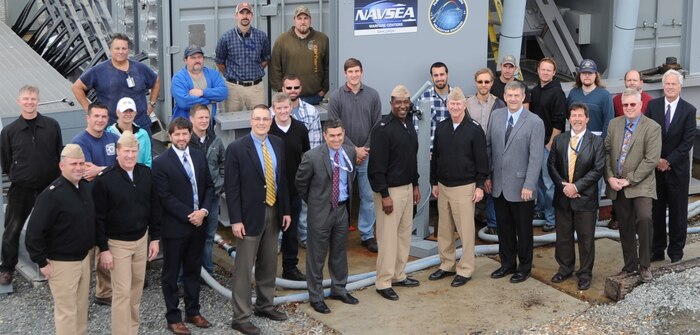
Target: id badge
[[130, 82]]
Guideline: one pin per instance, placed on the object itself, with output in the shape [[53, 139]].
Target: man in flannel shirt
[[437, 95]]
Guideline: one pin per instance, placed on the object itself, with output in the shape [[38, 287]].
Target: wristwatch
[[152, 103]]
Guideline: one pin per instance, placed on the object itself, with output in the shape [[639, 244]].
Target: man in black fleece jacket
[[458, 169], [60, 232], [126, 207]]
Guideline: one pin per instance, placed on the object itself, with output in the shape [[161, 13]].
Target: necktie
[[509, 128], [625, 146], [269, 177], [193, 181], [572, 157], [336, 182], [668, 116]]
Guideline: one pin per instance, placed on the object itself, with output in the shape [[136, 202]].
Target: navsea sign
[[448, 16], [372, 17]]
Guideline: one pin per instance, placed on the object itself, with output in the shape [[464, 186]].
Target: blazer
[[175, 192], [517, 164], [590, 164], [244, 184], [642, 157], [678, 140], [314, 180]]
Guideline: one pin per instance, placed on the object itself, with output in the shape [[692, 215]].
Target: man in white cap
[[302, 51], [60, 233], [126, 112], [242, 53]]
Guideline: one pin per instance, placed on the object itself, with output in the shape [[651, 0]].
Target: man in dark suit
[[677, 120], [324, 181], [514, 145], [185, 188], [576, 164], [632, 151], [258, 204]]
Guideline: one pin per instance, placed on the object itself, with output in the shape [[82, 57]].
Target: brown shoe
[[645, 273], [271, 314], [179, 328], [106, 301], [246, 328], [198, 321], [613, 225], [6, 278]]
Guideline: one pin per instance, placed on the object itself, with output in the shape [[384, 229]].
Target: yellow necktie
[[269, 177], [572, 157]]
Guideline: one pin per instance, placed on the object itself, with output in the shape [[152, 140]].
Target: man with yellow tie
[[258, 206], [575, 164]]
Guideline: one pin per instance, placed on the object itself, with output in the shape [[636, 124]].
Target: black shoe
[[584, 284], [519, 277], [676, 259], [501, 272], [347, 298], [459, 281], [388, 293], [294, 274], [408, 282], [491, 231], [548, 227], [657, 257], [106, 301], [321, 307], [371, 244], [439, 274], [272, 315], [246, 328], [560, 277], [538, 216]]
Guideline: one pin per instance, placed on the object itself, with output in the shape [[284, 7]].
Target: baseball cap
[[193, 49], [302, 10], [587, 65], [509, 60], [243, 5], [126, 103]]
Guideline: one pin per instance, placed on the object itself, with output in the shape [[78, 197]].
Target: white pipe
[[624, 28], [511, 38]]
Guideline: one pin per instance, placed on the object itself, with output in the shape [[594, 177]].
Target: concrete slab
[[435, 307]]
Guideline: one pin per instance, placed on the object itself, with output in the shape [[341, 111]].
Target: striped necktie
[[270, 197], [193, 181]]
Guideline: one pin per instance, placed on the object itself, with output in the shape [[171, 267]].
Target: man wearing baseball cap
[[196, 84], [509, 65], [242, 53], [302, 51], [126, 112], [590, 89]]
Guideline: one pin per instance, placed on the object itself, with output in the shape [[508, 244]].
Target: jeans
[[301, 228], [545, 191], [490, 211], [314, 99], [212, 224], [20, 201], [367, 216]]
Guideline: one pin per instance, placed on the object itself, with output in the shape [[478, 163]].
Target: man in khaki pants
[[126, 209], [458, 169], [60, 232], [393, 176]]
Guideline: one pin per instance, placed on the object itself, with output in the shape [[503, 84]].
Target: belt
[[342, 203], [245, 83]]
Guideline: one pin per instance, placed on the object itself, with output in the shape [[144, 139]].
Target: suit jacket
[[244, 184], [590, 164], [678, 140], [642, 157], [175, 191], [517, 164], [314, 180]]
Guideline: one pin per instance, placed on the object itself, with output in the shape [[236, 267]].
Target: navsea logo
[[383, 17], [448, 16]]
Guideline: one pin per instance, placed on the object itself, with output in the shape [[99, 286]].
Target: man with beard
[[185, 189], [196, 84], [242, 53], [479, 108], [437, 95], [509, 66], [393, 175], [549, 103], [302, 51], [590, 90]]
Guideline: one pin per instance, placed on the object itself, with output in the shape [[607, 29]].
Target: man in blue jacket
[[196, 84]]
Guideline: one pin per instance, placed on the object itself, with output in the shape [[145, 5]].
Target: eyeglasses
[[633, 104], [261, 119], [292, 87], [483, 82]]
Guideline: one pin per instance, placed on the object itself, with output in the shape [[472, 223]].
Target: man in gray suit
[[514, 145], [324, 180]]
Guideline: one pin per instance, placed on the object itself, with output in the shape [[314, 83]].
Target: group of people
[[103, 203]]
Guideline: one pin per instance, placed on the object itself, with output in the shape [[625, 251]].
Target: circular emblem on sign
[[448, 16]]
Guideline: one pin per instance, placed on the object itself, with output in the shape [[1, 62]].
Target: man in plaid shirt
[[437, 95]]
